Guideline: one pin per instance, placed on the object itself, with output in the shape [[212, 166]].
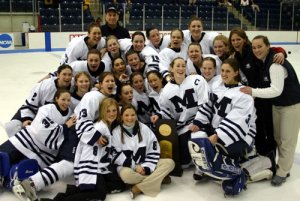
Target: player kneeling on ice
[[224, 131]]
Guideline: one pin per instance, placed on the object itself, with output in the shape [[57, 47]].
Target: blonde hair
[[103, 107]]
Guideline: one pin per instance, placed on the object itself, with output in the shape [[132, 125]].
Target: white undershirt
[[277, 75]]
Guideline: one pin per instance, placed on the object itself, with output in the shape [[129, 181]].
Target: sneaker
[[277, 180], [29, 189], [166, 180]]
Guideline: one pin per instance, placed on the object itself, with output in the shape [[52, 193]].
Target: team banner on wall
[[6, 41]]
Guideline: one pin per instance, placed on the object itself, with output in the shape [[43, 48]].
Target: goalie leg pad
[[202, 153], [208, 160], [258, 168]]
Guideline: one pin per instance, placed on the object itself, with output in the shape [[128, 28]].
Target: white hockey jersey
[[206, 40], [107, 60], [181, 102], [82, 66], [41, 94], [164, 43], [42, 139], [154, 101], [192, 69], [87, 112], [91, 160], [132, 152], [148, 54], [229, 113], [167, 55], [142, 104], [78, 50]]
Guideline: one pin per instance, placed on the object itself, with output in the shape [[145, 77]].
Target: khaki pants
[[148, 184], [286, 128]]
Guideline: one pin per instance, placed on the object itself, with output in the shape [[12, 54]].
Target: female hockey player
[[147, 54], [87, 111], [41, 94], [93, 66], [281, 85], [113, 52], [78, 47], [136, 153], [195, 33], [155, 40], [195, 59], [42, 139], [94, 176], [179, 100], [140, 98], [176, 49], [209, 71], [155, 81], [81, 87], [221, 47], [229, 115]]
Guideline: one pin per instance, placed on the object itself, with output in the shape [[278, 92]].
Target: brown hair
[[241, 33], [264, 39], [136, 127], [80, 74], [233, 63]]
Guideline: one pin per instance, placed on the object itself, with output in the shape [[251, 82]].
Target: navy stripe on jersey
[[26, 140], [49, 175], [52, 139]]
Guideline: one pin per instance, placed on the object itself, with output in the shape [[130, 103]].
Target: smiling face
[[154, 37], [111, 18], [195, 53], [208, 70], [119, 66], [155, 82], [228, 74], [129, 117], [138, 83], [64, 78], [134, 62], [196, 29], [178, 69], [63, 100], [113, 46], [83, 83], [111, 113], [138, 43], [260, 49], [93, 61], [237, 42], [219, 48], [94, 36], [107, 86]]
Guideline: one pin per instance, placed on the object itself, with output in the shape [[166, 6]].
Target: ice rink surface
[[19, 72]]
